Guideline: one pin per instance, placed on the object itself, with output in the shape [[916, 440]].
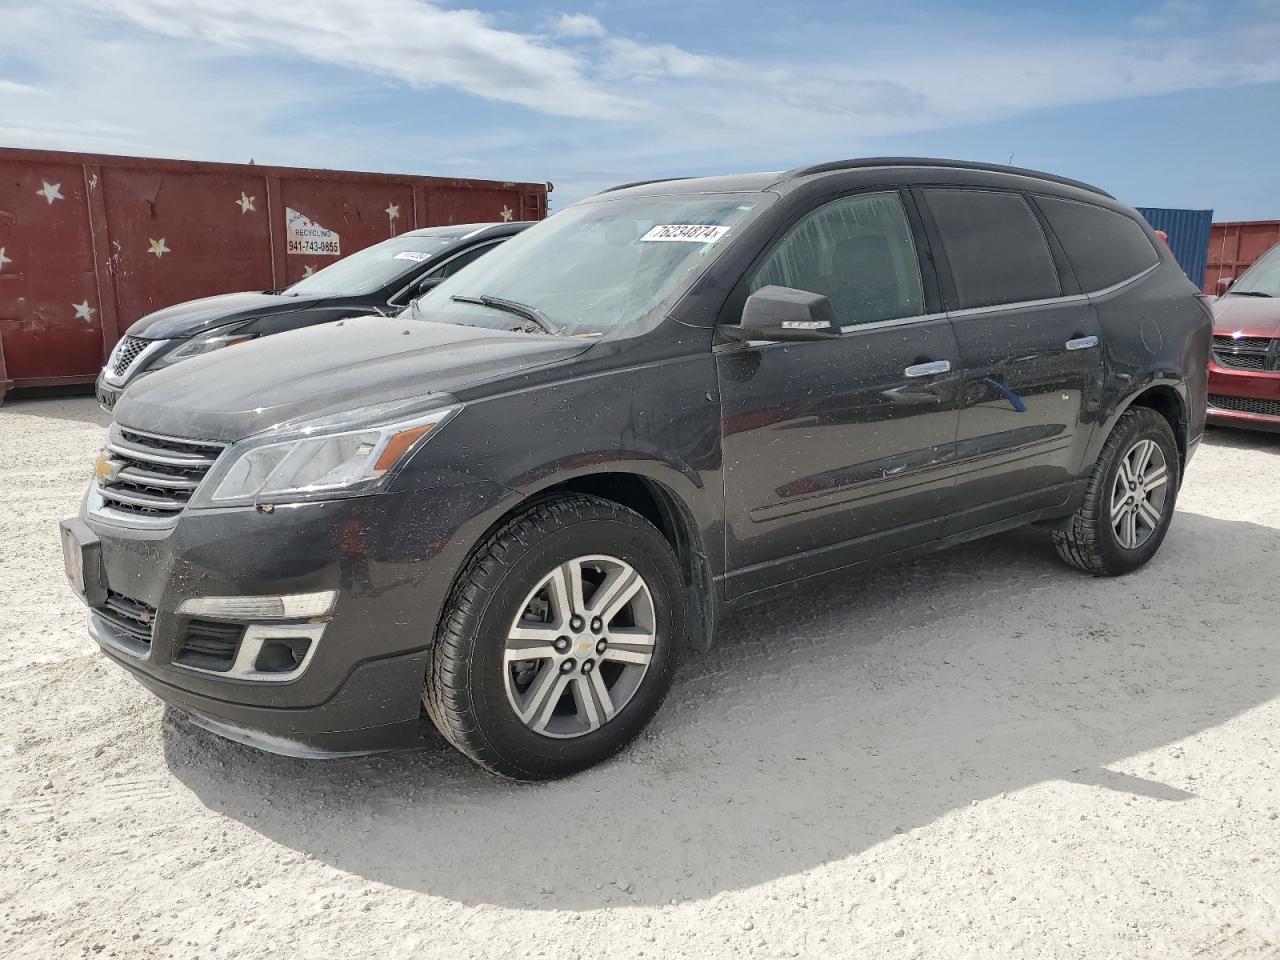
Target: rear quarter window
[[997, 251], [1104, 247]]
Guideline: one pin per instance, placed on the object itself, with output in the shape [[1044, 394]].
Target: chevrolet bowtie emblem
[[106, 469]]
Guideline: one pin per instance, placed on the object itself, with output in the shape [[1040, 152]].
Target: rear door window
[[858, 253], [993, 242], [1104, 247]]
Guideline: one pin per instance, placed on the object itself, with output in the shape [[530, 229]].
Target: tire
[[475, 689], [1089, 540]]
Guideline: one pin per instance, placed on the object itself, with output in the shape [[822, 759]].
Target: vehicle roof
[[794, 178], [457, 231]]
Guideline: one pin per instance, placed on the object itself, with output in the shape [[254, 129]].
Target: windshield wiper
[[1249, 293], [532, 314]]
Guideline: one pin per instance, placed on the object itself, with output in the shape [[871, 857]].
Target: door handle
[[1082, 343], [931, 369]]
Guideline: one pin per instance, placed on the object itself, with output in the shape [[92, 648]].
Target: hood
[[196, 316], [238, 391], [1247, 316]]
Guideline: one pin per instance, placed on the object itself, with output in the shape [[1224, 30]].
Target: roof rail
[[641, 183], [862, 162]]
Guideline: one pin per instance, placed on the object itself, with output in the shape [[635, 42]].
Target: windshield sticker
[[415, 255], [684, 233], [306, 237]]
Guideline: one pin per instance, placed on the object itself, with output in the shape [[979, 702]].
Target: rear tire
[[559, 641], [1129, 501]]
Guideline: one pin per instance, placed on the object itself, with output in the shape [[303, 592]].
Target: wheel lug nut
[[601, 645], [576, 622], [597, 625], [567, 666], [588, 666], [561, 644]]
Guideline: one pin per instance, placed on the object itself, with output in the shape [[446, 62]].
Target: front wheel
[[560, 639], [1129, 501]]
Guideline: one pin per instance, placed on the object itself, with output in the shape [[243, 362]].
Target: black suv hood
[[196, 316], [241, 390]]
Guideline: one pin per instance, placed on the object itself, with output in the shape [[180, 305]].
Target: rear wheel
[[1129, 501], [560, 640]]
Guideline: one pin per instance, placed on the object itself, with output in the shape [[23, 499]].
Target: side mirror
[[425, 284], [1225, 284], [784, 313]]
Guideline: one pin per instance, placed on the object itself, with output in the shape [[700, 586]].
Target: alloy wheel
[[579, 646], [1139, 494]]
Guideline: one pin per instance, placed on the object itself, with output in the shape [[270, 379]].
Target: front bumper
[[391, 558], [1244, 398]]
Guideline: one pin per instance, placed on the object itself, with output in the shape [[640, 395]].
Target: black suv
[[384, 276], [519, 503]]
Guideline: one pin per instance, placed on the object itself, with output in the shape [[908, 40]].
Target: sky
[[1170, 103]]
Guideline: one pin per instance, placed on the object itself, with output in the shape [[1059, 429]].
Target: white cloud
[[578, 25], [21, 89], [415, 42], [285, 82], [626, 59]]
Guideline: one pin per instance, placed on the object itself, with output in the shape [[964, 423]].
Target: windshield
[[1263, 277], [371, 268], [596, 267]]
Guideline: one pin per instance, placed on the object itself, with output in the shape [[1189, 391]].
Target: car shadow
[[818, 727], [1240, 439]]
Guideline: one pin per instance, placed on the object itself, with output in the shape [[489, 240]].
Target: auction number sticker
[[414, 255], [304, 236], [684, 233]]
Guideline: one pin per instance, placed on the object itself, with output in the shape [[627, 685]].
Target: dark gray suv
[[517, 504]]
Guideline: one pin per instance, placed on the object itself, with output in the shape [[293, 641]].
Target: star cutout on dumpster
[[507, 214], [4, 259], [246, 202], [392, 211], [50, 191], [83, 310], [158, 248]]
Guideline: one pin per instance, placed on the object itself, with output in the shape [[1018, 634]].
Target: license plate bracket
[[82, 561]]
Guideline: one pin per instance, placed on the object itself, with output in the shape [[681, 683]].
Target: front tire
[[1129, 502], [559, 641]]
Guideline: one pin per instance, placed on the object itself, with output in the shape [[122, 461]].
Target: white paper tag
[[684, 233], [414, 255]]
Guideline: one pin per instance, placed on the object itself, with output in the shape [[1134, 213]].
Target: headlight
[[317, 458], [206, 342]]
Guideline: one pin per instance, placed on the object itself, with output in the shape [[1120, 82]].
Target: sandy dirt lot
[[979, 754]]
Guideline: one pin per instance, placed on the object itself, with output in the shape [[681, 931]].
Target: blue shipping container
[[1188, 232]]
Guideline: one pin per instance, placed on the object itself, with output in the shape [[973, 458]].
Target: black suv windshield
[[1263, 278], [371, 268], [595, 267]]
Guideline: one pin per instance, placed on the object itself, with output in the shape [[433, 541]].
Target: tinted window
[[368, 269], [1104, 247], [460, 261], [858, 253], [997, 251]]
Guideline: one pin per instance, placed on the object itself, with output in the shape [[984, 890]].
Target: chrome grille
[[153, 477], [126, 351], [1266, 408], [1245, 353]]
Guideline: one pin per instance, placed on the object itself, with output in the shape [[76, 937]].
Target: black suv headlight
[[342, 455], [206, 342]]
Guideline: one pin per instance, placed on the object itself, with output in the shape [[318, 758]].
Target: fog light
[[282, 656], [292, 606]]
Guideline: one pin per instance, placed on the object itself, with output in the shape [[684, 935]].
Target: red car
[[1244, 370]]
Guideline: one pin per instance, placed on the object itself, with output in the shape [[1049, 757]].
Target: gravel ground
[[978, 754]]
